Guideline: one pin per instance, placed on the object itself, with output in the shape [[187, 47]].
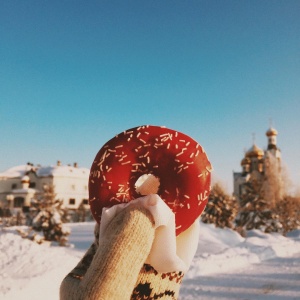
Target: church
[[258, 164]]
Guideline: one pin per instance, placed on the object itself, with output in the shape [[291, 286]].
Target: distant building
[[256, 162], [21, 184]]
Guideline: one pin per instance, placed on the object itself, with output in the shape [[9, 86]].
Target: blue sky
[[75, 73]]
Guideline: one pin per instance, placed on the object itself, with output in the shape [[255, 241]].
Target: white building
[[20, 184], [256, 162]]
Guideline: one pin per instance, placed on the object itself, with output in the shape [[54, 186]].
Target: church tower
[[258, 164], [272, 143]]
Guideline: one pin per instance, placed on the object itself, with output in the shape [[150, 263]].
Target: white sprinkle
[[182, 141], [200, 175], [187, 143], [188, 206], [197, 153], [146, 154], [109, 170], [177, 227], [143, 141], [148, 159], [120, 146], [110, 150], [209, 169], [156, 166], [146, 132], [180, 153], [186, 196], [158, 145], [168, 147], [125, 163], [176, 134], [167, 192]]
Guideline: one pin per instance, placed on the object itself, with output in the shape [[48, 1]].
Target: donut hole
[[147, 184]]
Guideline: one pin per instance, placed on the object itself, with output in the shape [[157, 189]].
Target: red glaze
[[177, 160]]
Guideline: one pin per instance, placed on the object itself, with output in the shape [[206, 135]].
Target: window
[[13, 186], [18, 202], [85, 201], [72, 201], [32, 185]]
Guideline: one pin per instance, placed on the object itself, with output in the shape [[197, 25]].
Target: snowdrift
[[29, 270]]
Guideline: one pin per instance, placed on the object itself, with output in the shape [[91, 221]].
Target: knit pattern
[[154, 285], [114, 268]]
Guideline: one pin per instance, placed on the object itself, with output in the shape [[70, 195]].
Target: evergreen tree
[[48, 219], [255, 211], [221, 209]]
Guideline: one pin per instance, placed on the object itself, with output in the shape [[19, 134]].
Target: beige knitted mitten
[[115, 267]]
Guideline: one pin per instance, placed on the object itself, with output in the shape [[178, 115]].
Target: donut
[[176, 166]]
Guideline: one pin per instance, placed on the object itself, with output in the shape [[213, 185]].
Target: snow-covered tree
[[221, 209], [48, 219], [256, 212], [288, 210]]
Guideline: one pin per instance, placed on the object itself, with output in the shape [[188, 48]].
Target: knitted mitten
[[115, 267]]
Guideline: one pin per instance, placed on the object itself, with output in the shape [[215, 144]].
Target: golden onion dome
[[255, 151], [271, 132], [245, 161]]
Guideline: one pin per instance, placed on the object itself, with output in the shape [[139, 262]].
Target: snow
[[44, 171], [226, 265]]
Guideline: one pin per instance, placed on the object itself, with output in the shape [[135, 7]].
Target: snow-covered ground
[[226, 266]]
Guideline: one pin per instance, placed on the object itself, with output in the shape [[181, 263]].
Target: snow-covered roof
[[45, 171]]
